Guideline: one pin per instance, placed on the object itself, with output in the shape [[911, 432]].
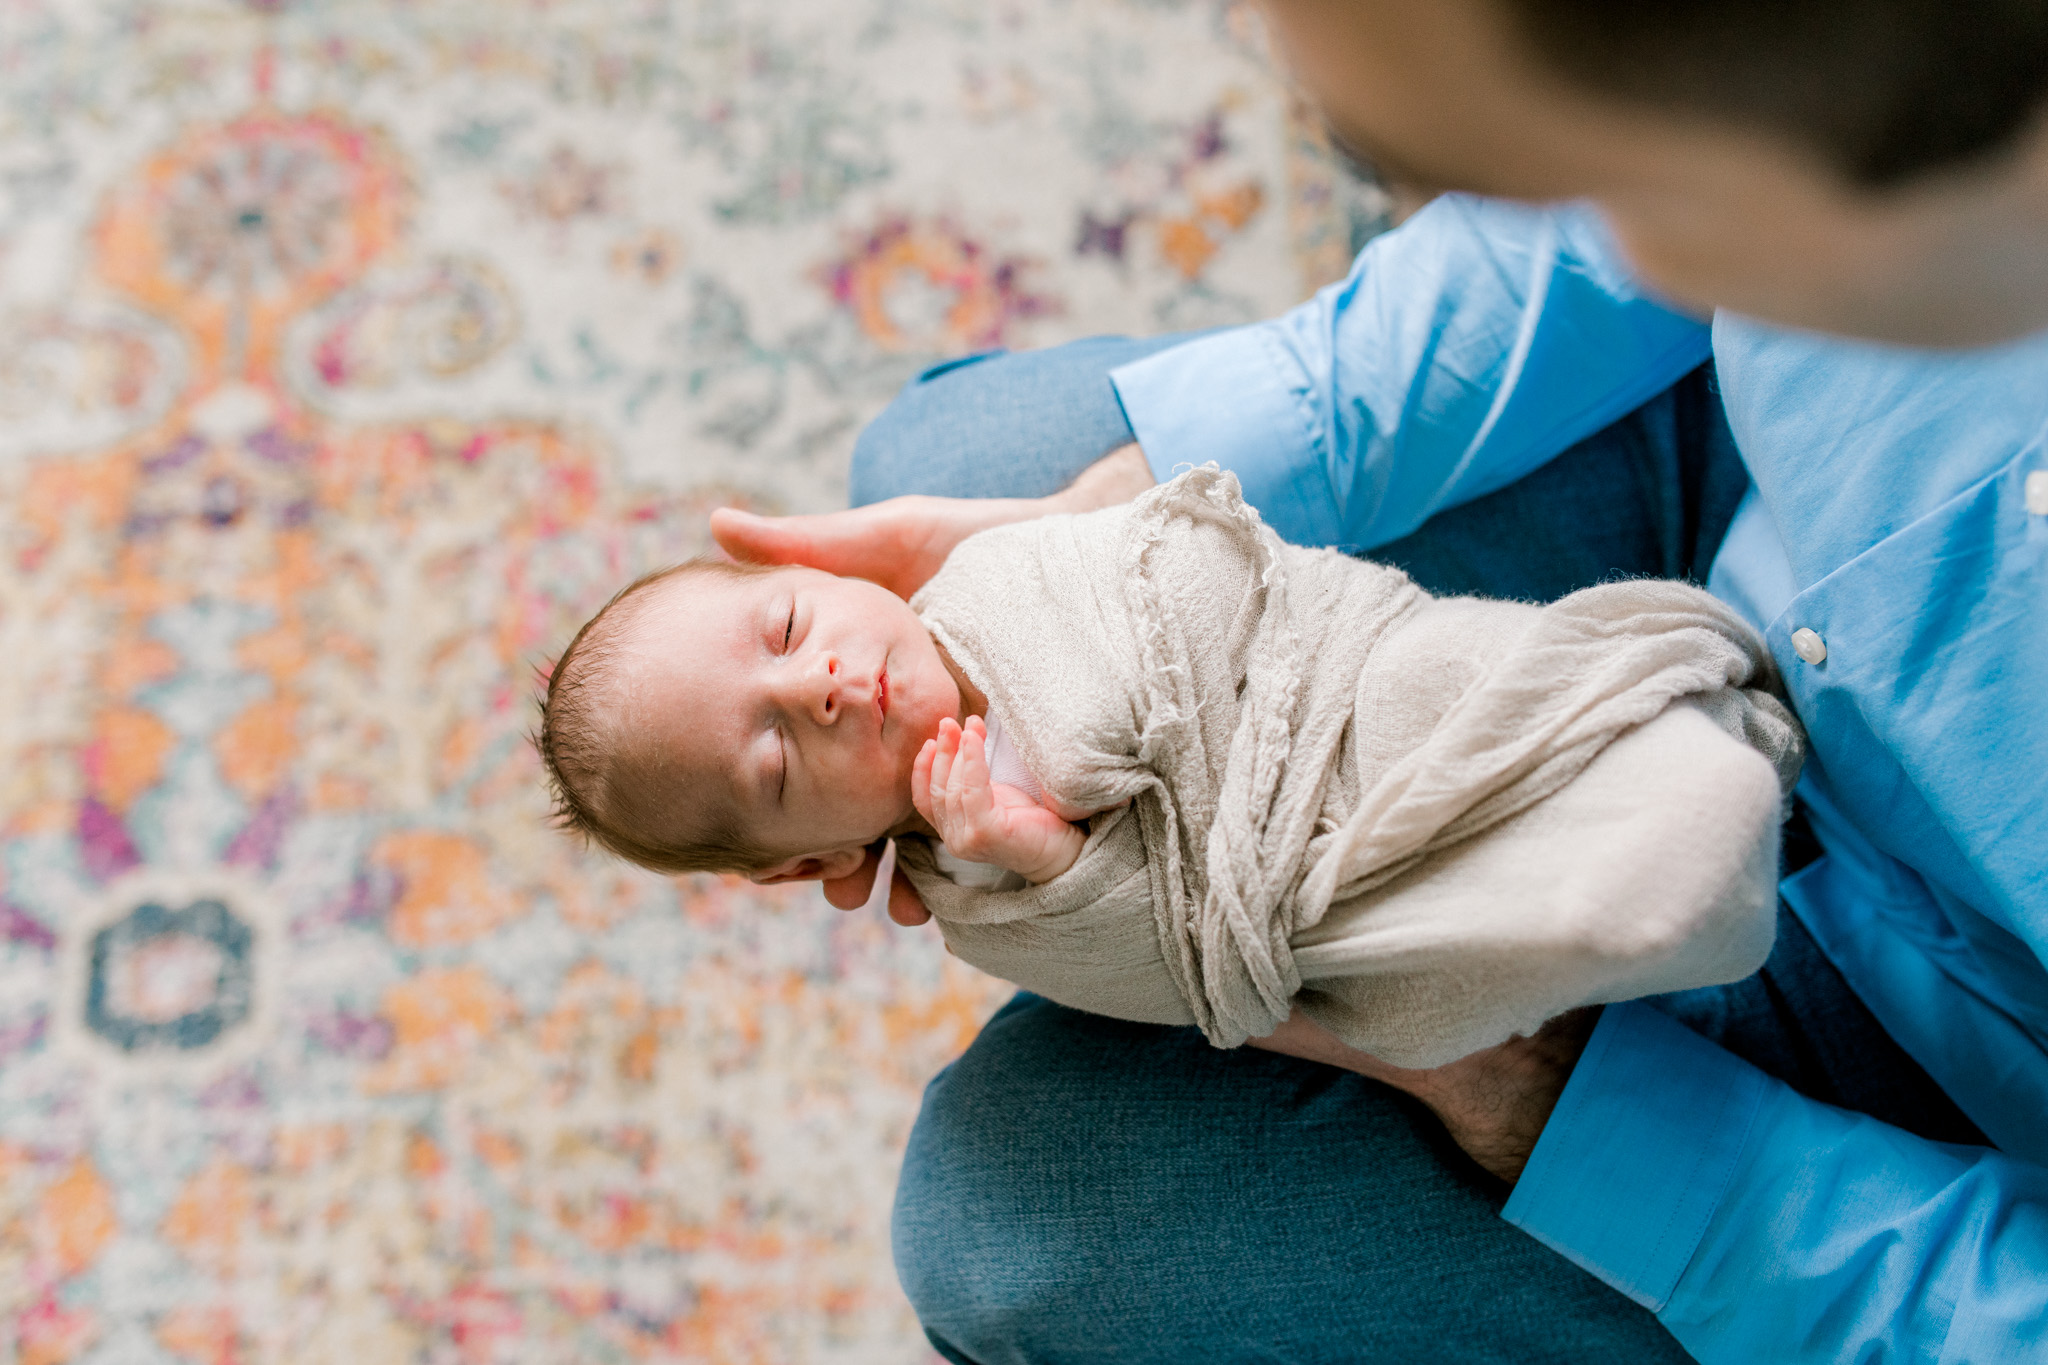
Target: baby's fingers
[[963, 834], [921, 780], [970, 778], [943, 750]]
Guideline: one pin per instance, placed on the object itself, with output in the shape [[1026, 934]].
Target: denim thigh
[[1081, 1189], [1003, 424]]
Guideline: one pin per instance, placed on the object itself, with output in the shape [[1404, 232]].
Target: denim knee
[[892, 455]]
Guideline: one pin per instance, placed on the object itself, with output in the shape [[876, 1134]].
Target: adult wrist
[[1497, 1103], [1115, 478]]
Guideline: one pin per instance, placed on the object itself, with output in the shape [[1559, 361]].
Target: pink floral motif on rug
[[349, 356]]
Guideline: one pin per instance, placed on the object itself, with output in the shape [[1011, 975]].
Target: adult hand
[[1494, 1102], [902, 542], [851, 893], [898, 544]]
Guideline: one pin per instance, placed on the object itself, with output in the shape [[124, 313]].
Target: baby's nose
[[827, 683]]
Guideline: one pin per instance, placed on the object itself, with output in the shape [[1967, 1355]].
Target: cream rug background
[[350, 352]]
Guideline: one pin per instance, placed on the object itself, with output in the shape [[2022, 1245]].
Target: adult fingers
[[757, 539], [905, 906], [851, 891], [886, 543], [899, 543], [863, 542]]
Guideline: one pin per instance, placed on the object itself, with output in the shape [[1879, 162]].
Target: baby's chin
[[903, 816], [908, 821], [876, 812]]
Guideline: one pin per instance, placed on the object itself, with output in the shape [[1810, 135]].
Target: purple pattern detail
[[1103, 236], [104, 845], [145, 524], [23, 1034], [178, 454], [236, 1090], [275, 445], [19, 926], [365, 904], [354, 1035], [258, 842], [223, 501]]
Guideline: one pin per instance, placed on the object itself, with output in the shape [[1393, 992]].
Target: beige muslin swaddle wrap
[[1432, 822]]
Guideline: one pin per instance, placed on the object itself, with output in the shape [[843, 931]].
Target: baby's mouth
[[882, 693]]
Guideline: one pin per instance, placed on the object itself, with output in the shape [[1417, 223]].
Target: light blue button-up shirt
[[1890, 515]]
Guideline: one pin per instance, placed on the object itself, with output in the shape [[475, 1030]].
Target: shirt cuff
[[1235, 398], [1639, 1152]]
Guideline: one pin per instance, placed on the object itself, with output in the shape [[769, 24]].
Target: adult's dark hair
[[1883, 90]]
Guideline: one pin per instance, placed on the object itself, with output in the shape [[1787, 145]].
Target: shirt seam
[[1709, 1207], [1288, 370]]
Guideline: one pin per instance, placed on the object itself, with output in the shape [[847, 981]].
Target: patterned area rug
[[350, 353]]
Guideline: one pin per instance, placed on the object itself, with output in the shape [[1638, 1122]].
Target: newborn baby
[[1237, 776], [776, 722]]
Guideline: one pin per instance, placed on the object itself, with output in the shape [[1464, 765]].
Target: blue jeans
[[1084, 1189]]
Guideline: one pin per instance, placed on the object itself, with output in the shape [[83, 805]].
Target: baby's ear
[[812, 867]]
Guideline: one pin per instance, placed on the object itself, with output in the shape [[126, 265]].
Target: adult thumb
[[754, 539]]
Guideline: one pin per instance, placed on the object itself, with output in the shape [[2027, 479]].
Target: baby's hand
[[985, 821]]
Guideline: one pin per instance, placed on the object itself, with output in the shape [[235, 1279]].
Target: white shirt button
[[2037, 492], [1808, 645]]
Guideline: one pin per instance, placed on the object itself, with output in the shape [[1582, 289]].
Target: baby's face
[[795, 699]]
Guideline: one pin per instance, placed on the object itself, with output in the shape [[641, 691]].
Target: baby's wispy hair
[[581, 737]]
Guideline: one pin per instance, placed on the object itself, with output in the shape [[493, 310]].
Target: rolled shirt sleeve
[[1465, 349], [1644, 1082], [1761, 1225]]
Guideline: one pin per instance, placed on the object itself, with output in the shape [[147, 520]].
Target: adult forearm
[[1494, 1103]]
